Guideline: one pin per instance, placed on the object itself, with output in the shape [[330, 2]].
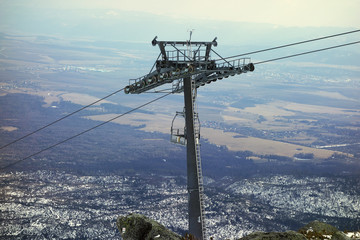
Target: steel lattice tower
[[187, 66]]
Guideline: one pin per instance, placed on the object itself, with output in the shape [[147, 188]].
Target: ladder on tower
[[198, 159]]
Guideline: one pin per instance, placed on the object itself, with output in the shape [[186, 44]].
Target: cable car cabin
[[178, 129]]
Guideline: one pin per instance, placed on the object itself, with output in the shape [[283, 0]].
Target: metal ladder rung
[[198, 162]]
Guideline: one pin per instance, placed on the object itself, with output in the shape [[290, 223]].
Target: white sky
[[320, 13]]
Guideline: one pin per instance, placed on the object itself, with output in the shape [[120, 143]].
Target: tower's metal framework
[[186, 66]]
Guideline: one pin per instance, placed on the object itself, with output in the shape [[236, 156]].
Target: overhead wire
[[60, 119], [134, 109], [85, 131], [308, 52], [291, 44], [224, 59]]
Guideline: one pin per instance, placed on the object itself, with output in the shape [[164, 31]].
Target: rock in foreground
[[289, 235], [320, 230], [139, 227]]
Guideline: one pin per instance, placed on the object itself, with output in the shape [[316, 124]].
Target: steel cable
[[60, 119], [292, 44], [83, 132]]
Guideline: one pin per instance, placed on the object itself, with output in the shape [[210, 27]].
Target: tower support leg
[[195, 221]]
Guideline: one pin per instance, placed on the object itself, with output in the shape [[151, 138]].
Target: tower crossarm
[[184, 43], [178, 63]]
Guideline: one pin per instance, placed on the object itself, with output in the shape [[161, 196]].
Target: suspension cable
[[60, 119], [134, 109], [268, 49], [292, 44], [303, 53], [83, 132]]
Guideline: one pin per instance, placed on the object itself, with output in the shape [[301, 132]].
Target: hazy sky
[[141, 20], [339, 13], [282, 12]]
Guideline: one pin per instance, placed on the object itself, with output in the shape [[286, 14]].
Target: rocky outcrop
[[139, 227], [313, 230], [320, 230], [289, 235]]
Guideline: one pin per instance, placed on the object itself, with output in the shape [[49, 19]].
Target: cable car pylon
[[187, 65]]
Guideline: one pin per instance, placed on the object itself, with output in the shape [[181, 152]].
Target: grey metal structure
[[187, 66]]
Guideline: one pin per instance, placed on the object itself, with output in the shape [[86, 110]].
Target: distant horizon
[[260, 22], [294, 13], [129, 26]]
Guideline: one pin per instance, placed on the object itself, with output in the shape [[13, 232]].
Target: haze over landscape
[[280, 146]]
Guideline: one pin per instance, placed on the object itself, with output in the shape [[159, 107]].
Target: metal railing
[[186, 55], [236, 63]]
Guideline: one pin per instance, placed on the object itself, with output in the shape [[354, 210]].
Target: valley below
[[279, 148]]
